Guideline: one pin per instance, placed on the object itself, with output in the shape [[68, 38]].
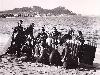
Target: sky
[[84, 7]]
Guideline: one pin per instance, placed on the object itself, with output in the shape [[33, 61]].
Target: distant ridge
[[31, 11]]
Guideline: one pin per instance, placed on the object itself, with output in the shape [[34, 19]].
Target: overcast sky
[[85, 7]]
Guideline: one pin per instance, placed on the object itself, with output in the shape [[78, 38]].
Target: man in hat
[[42, 35]]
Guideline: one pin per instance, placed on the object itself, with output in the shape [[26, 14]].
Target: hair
[[80, 33], [43, 29], [21, 21]]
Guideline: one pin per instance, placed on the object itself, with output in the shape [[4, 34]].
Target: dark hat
[[32, 24], [54, 28]]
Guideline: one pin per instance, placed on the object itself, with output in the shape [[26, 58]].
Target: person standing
[[17, 37], [30, 37], [42, 36], [30, 29], [55, 35]]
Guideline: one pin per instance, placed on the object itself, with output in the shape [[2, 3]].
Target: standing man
[[30, 37], [17, 37], [17, 30], [42, 36], [55, 35], [30, 29]]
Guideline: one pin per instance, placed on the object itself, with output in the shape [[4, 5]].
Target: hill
[[36, 11]]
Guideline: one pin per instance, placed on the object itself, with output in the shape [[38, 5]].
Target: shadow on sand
[[85, 67], [97, 66]]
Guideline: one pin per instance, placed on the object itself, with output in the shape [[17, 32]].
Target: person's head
[[20, 22], [42, 29], [54, 29], [80, 33], [24, 29], [71, 31], [32, 24]]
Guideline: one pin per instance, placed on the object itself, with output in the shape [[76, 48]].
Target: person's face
[[42, 31], [20, 23]]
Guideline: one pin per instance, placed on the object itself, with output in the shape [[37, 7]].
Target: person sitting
[[69, 61], [44, 54]]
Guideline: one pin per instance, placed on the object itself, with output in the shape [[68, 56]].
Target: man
[[55, 35], [17, 30], [30, 37], [30, 29], [17, 36], [42, 36]]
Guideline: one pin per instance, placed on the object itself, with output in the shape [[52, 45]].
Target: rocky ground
[[16, 67]]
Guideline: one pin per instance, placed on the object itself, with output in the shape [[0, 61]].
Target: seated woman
[[55, 58], [69, 61], [44, 54]]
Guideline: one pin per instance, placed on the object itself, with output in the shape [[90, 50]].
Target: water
[[5, 41]]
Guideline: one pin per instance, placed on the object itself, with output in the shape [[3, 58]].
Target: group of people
[[42, 48]]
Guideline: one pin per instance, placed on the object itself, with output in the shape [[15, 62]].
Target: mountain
[[31, 11]]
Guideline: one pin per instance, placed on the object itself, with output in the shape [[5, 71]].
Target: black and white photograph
[[49, 37]]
